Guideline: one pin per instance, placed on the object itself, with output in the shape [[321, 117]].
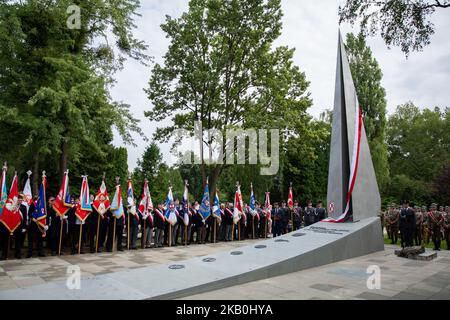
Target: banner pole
[[265, 227], [96, 238], [60, 236], [145, 236], [239, 230], [128, 231], [170, 235], [79, 240], [232, 232], [215, 222], [114, 234], [185, 235], [253, 227], [9, 243]]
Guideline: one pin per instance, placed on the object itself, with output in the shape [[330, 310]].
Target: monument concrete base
[[316, 245]]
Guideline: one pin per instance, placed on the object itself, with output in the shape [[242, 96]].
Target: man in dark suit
[[320, 212], [407, 225], [120, 223], [277, 223], [159, 225], [309, 214]]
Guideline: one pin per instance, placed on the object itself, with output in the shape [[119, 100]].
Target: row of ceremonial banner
[[11, 216]]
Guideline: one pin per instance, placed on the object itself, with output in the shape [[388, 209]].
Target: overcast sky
[[311, 27]]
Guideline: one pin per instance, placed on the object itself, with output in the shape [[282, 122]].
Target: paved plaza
[[400, 278]]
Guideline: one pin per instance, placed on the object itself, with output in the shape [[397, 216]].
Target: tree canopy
[[222, 68], [406, 24], [55, 82]]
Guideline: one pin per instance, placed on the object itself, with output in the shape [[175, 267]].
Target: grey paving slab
[[322, 243], [372, 296], [325, 286]]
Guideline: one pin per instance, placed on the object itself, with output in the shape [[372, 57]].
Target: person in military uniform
[[435, 221], [419, 226], [309, 214], [382, 216], [426, 236], [386, 221], [447, 226], [393, 222]]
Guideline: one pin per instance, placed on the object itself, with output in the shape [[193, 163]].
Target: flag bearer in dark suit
[[120, 226], [159, 225], [134, 225], [54, 227], [147, 234], [186, 230], [20, 232], [277, 223], [177, 228], [35, 234]]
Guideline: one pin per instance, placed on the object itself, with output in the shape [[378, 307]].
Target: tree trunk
[[213, 180], [63, 158], [36, 175]]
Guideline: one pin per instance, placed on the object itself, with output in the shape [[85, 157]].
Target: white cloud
[[311, 27]]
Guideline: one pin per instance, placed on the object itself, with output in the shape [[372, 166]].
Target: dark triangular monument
[[352, 186]]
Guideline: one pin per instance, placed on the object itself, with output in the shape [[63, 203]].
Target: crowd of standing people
[[99, 233], [417, 225]]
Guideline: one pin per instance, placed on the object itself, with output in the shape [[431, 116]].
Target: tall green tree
[[418, 149], [406, 24], [367, 77], [222, 68], [147, 166], [55, 80]]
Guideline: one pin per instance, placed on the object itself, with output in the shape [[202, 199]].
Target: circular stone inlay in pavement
[[298, 234], [281, 240], [209, 260], [236, 253], [176, 266], [260, 246]]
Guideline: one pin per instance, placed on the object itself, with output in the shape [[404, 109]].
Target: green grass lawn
[[429, 245]]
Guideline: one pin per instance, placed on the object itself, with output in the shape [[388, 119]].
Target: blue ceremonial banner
[[116, 204], [216, 207], [170, 213], [252, 200], [205, 207], [39, 215], [3, 192]]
